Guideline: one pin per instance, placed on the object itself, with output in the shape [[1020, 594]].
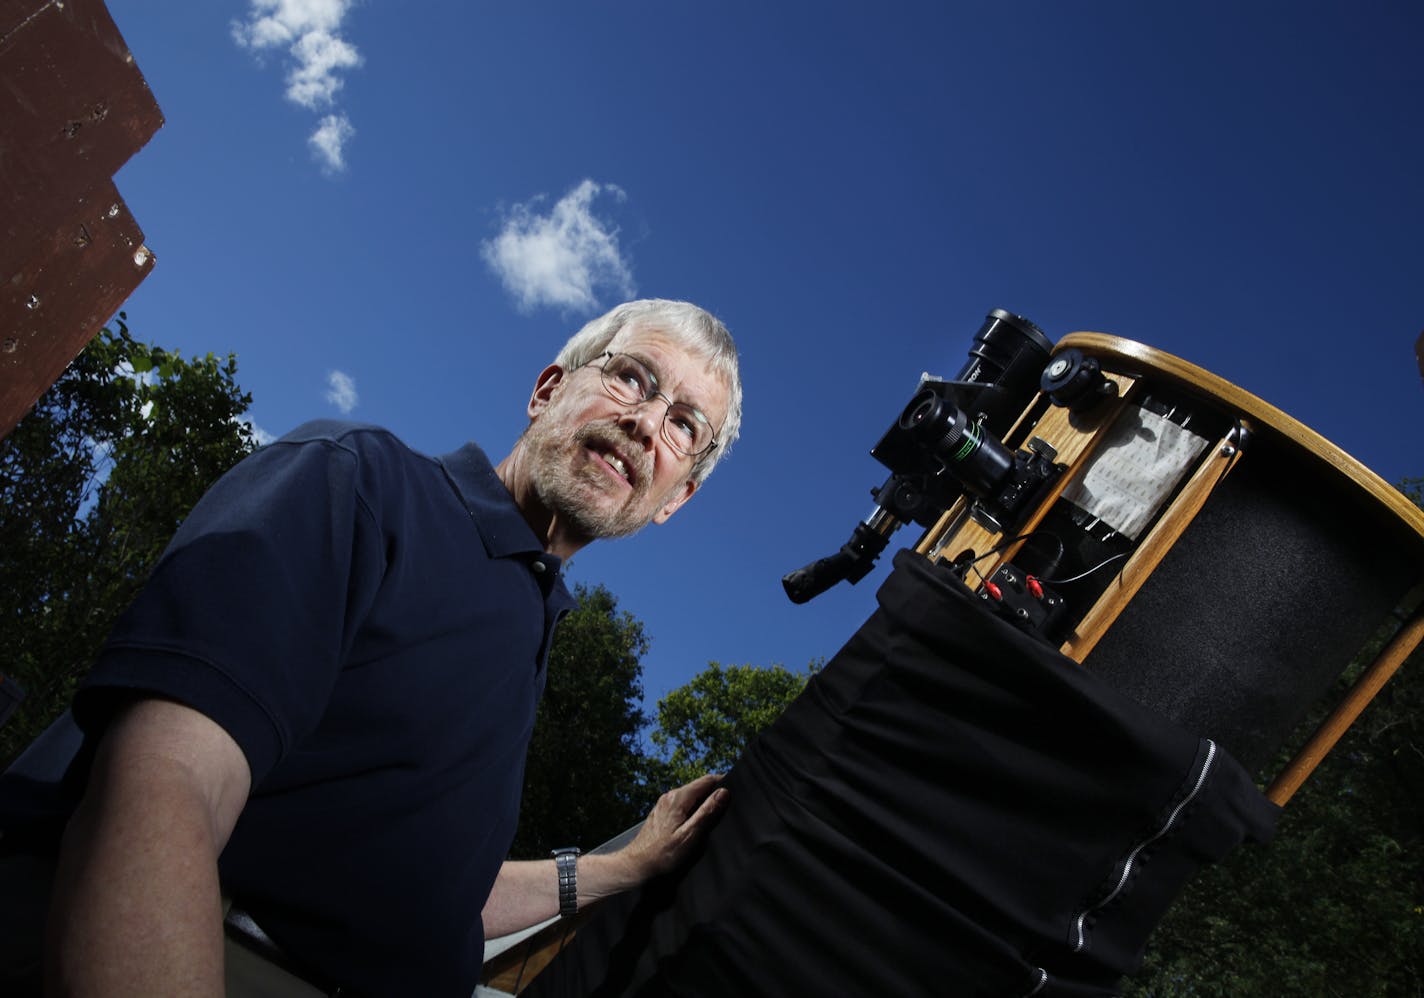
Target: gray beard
[[572, 493]]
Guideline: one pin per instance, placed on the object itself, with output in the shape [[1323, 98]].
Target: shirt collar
[[496, 516]]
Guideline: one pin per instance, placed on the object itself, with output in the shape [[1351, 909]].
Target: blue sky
[[851, 188]]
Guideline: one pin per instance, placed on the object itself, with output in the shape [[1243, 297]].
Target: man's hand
[[526, 893], [674, 826]]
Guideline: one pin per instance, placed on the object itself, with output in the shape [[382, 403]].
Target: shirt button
[[539, 567]]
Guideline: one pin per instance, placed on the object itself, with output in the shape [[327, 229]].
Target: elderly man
[[323, 698]]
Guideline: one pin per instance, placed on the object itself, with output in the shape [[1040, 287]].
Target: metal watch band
[[566, 864]]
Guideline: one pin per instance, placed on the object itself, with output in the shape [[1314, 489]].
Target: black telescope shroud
[[950, 808]]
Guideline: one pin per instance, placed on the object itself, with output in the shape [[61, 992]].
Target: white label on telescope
[[1135, 469]]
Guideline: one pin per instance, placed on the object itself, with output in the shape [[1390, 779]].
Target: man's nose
[[641, 422]]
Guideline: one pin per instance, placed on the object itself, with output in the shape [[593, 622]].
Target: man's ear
[[549, 381], [675, 503]]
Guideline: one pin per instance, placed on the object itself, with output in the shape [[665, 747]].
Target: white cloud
[[341, 391], [260, 435], [329, 142], [560, 258], [309, 31], [313, 83]]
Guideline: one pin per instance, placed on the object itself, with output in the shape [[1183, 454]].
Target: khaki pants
[[252, 976]]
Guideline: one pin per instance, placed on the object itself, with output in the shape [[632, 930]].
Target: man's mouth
[[616, 462], [607, 447]]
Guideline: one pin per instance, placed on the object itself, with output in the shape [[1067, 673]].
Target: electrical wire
[[1083, 575], [1062, 550], [1005, 545]]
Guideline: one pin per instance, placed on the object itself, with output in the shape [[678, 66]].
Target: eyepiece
[[939, 427], [924, 415]]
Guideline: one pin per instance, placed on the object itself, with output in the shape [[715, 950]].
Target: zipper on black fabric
[[1081, 939]]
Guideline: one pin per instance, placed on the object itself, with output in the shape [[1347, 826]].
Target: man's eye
[[690, 430], [635, 379]]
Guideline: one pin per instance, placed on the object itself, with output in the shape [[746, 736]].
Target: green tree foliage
[[584, 780], [93, 482], [703, 726], [1334, 905]]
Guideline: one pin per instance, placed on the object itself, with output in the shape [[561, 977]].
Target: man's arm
[[137, 909], [525, 893]]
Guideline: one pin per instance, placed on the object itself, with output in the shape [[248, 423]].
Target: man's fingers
[[699, 789], [708, 809], [684, 800]]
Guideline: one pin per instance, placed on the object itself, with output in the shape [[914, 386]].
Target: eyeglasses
[[628, 380]]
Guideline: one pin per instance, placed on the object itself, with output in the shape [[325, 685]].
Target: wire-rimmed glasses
[[628, 380]]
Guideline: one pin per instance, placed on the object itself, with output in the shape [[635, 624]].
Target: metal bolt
[[1228, 451], [10, 345], [1056, 369], [33, 303], [113, 211]]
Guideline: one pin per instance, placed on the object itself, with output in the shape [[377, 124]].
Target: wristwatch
[[566, 864]]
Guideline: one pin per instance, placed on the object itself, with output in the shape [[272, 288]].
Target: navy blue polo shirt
[[371, 626]]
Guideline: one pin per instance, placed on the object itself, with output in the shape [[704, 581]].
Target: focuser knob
[[1076, 382]]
